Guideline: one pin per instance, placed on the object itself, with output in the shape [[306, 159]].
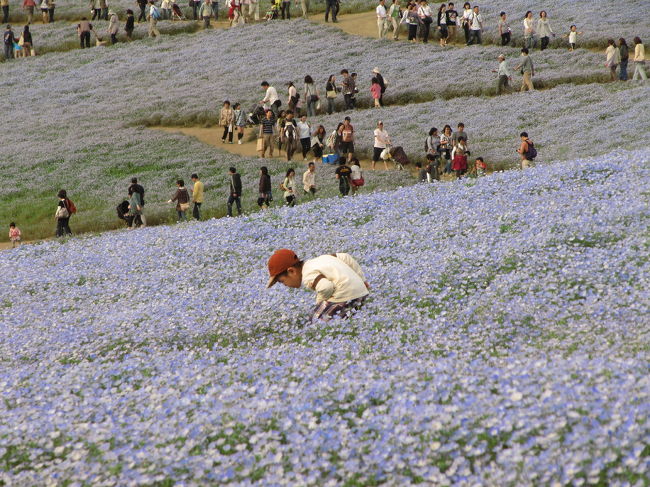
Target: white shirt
[[308, 179], [304, 131], [503, 69], [356, 172], [528, 27], [381, 12], [424, 11], [271, 96], [342, 281], [477, 20], [639, 53], [573, 35], [381, 137]]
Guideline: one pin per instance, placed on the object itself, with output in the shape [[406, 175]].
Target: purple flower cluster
[[504, 343]]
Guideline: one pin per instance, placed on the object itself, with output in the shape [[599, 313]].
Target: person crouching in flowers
[[337, 279]]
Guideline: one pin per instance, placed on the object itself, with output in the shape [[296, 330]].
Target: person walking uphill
[[337, 279], [235, 191], [527, 71], [153, 17], [205, 12]]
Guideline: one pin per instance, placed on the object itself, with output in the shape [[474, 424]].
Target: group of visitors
[[525, 68], [617, 55], [29, 7], [23, 46]]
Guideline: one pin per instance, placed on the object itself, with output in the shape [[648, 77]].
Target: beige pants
[[304, 5], [153, 31], [254, 10], [527, 82], [267, 143], [381, 27], [525, 163], [396, 26]]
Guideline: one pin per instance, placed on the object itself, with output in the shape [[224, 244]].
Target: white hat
[[376, 70], [501, 56]]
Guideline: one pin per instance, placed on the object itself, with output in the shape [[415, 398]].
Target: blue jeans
[[622, 74], [9, 51], [474, 37], [181, 216], [311, 108]]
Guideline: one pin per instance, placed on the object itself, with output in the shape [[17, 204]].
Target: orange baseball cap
[[279, 262]]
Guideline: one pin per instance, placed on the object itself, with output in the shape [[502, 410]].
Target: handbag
[[331, 93], [33, 52], [260, 144], [313, 98], [21, 41], [184, 206], [62, 212]]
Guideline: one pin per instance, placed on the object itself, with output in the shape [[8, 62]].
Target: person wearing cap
[[382, 84], [337, 279], [503, 74]]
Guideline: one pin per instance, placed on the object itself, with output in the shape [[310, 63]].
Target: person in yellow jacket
[[337, 279], [197, 196]]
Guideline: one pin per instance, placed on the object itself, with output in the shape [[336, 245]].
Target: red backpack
[[72, 209]]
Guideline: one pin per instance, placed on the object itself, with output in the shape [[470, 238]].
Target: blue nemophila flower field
[[505, 343]]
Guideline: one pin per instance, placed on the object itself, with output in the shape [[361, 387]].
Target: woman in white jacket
[[613, 58], [544, 30], [113, 26]]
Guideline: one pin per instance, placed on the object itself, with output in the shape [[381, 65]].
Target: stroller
[[397, 155], [177, 13], [256, 115]]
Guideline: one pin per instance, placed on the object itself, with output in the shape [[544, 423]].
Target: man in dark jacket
[[235, 191], [137, 188], [9, 40]]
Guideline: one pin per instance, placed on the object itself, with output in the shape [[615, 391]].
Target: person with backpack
[[527, 151], [64, 210], [137, 188], [235, 191], [9, 40], [153, 17], [289, 134], [182, 199]]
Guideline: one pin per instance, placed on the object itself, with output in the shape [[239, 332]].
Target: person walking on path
[[452, 19], [466, 20], [9, 40], [309, 180], [412, 20], [64, 211], [504, 29], [26, 42], [544, 30], [382, 19], [304, 6], [348, 89], [331, 6], [288, 187], [45, 11], [197, 196], [266, 135], [529, 31], [239, 121], [113, 26], [142, 4], [331, 92], [504, 75], [182, 199], [527, 70], [304, 133], [153, 16], [103, 5], [639, 60], [265, 192], [426, 19], [235, 191], [475, 27], [442, 25], [51, 6], [381, 142], [527, 151], [226, 120], [343, 173], [14, 235], [5, 10], [205, 12], [28, 7], [573, 37], [137, 188], [613, 58], [395, 18], [337, 279], [625, 57], [289, 135]]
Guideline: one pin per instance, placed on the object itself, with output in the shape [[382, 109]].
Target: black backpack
[[531, 153]]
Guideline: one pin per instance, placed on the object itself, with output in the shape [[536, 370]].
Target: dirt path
[[212, 136]]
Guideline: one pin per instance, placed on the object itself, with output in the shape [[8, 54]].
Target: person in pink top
[[28, 6], [14, 234], [375, 89]]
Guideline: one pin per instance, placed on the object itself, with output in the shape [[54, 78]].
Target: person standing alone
[[235, 191], [197, 196]]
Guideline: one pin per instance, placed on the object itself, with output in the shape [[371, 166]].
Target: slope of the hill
[[505, 343]]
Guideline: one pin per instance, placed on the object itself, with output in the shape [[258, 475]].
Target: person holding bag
[[63, 213], [331, 92], [182, 199]]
